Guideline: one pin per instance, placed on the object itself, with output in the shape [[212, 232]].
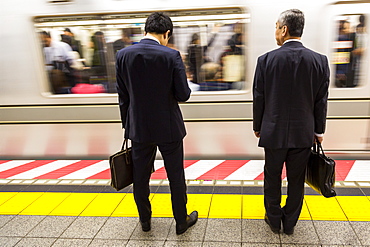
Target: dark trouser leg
[[143, 155], [296, 163], [173, 156], [274, 161]]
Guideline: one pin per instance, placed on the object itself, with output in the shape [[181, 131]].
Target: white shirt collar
[[290, 40], [152, 38]]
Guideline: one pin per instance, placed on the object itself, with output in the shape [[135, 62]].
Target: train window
[[349, 50], [79, 51]]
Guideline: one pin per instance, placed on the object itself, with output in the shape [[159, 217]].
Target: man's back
[[152, 79], [294, 96]]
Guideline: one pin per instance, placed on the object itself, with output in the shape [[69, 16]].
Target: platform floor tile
[[51, 227], [322, 208], [110, 231], [356, 208], [223, 230], [20, 225], [329, 233], [228, 206], [84, 227], [362, 230], [74, 204], [18, 202], [118, 228], [44, 204], [257, 231]]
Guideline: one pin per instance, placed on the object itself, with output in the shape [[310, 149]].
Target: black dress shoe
[[289, 231], [146, 226], [190, 220], [273, 229]]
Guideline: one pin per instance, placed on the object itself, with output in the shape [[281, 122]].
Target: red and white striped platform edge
[[346, 170]]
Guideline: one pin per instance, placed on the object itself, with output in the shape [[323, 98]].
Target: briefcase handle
[[125, 147], [317, 147], [125, 144]]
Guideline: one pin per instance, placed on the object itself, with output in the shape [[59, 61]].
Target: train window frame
[[179, 18]]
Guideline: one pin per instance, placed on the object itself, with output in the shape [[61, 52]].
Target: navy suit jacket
[[151, 80], [290, 92]]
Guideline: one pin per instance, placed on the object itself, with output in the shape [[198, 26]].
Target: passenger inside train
[[349, 50], [212, 36]]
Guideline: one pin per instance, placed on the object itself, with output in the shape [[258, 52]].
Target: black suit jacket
[[151, 80], [290, 92]]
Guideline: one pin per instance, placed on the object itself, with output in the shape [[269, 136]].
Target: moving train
[[40, 119]]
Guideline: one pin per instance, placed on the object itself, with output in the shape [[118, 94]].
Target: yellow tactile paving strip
[[230, 206]]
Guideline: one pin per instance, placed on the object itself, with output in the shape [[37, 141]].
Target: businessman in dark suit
[[290, 91], [151, 80]]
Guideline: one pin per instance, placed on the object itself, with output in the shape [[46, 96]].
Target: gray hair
[[294, 20]]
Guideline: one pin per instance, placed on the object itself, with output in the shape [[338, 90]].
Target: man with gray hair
[[290, 93]]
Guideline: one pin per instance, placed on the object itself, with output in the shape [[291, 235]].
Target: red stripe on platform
[[3, 161], [161, 172], [67, 169], [223, 170], [23, 168], [342, 168], [101, 175], [283, 175]]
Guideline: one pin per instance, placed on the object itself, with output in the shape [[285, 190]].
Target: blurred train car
[[50, 109]]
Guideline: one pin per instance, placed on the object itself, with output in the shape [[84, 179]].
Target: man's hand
[[257, 134], [319, 139]]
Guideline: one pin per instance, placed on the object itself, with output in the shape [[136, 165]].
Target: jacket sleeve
[[181, 87], [258, 96], [321, 100], [123, 95]]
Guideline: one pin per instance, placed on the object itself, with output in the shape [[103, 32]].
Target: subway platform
[[70, 203]]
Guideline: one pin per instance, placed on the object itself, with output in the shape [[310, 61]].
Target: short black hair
[[158, 23], [294, 20], [362, 19], [47, 34]]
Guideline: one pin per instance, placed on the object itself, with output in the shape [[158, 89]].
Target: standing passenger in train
[[151, 80], [98, 64], [75, 44], [290, 93], [344, 75], [359, 49], [197, 54], [124, 41]]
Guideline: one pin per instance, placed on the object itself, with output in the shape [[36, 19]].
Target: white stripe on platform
[[158, 164], [249, 171], [88, 171], [41, 170], [12, 164], [360, 171], [200, 167]]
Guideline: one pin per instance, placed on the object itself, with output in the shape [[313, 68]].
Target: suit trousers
[[296, 160], [143, 156]]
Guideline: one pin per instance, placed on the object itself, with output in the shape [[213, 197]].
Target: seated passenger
[[210, 72]]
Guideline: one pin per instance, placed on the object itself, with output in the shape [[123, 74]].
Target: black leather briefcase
[[320, 172], [121, 168]]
